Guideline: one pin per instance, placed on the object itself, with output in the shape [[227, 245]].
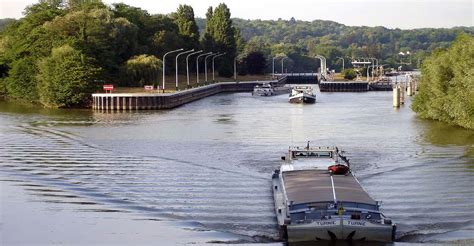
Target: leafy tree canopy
[[446, 88], [66, 78]]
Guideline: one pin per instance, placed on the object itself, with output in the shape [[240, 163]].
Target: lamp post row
[[190, 53], [273, 65]]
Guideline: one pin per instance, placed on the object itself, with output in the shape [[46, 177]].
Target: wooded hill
[[302, 40]]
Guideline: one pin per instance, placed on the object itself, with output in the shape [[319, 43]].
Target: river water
[[208, 164]]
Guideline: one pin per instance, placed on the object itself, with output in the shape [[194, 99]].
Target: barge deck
[[317, 197]]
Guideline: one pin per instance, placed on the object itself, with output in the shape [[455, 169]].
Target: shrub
[[66, 78], [142, 69], [349, 74], [446, 88]]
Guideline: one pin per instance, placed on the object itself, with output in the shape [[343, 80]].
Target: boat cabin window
[[324, 154], [359, 205]]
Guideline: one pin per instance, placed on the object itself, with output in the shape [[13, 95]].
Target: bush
[[21, 82], [349, 74], [446, 88], [66, 78], [142, 69]]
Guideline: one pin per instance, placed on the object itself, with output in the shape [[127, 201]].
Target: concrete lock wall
[[144, 101], [343, 86]]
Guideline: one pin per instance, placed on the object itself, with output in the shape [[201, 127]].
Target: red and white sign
[[108, 87], [149, 87]]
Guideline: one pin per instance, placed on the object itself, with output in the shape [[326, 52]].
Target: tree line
[[446, 89], [300, 41], [61, 51]]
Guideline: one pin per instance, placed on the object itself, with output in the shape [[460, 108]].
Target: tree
[[256, 62], [446, 88], [141, 19], [21, 82], [187, 27], [143, 69], [66, 78], [99, 35], [220, 37], [208, 41]]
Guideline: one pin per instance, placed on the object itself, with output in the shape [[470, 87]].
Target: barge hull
[[337, 229], [316, 187]]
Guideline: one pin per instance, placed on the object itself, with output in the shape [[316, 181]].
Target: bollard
[[410, 89], [402, 94], [396, 97]]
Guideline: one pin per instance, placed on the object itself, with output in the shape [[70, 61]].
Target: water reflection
[[441, 134]]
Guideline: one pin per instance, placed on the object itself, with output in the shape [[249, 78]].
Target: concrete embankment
[[339, 86], [140, 101]]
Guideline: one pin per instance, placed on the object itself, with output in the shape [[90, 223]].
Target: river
[[206, 166]]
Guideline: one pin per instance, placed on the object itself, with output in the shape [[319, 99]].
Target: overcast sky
[[405, 14]]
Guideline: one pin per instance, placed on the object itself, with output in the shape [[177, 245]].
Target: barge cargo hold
[[312, 203]]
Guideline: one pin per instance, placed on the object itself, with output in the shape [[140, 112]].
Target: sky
[[404, 14]]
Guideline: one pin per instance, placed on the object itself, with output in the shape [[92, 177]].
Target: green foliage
[[220, 37], [97, 34], [446, 88], [332, 39], [188, 29], [255, 62], [113, 36], [21, 82], [66, 78], [5, 22], [349, 74], [143, 70]]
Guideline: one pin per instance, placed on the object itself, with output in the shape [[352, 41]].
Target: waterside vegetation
[[124, 45], [446, 89]]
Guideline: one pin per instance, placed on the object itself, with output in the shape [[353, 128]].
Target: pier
[[350, 86], [299, 78], [147, 101]]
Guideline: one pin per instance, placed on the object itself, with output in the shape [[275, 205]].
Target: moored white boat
[[270, 90], [314, 203], [263, 90], [302, 94]]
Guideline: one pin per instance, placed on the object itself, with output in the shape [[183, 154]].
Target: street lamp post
[[205, 65], [187, 64], [197, 65], [235, 68], [375, 65], [273, 67], [282, 60], [177, 56], [213, 59], [164, 56]]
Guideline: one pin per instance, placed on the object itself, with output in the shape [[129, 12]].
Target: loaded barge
[[317, 197]]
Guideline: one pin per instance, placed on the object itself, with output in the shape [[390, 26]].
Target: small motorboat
[[338, 169]]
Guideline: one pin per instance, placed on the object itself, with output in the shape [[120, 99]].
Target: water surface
[[209, 163]]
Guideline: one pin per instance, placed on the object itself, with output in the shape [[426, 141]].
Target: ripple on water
[[209, 162]]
